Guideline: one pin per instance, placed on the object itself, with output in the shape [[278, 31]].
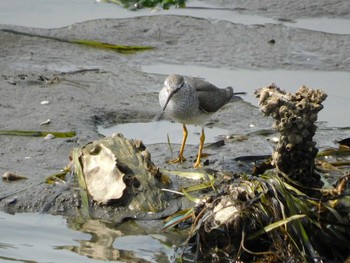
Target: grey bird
[[192, 101]]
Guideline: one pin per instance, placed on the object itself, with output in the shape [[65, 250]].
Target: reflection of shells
[[8, 176]]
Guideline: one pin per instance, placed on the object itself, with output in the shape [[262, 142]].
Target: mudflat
[[79, 87]]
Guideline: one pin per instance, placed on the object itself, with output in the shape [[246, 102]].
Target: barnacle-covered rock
[[295, 116], [118, 170]]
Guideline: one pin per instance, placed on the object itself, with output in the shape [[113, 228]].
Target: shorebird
[[191, 101]]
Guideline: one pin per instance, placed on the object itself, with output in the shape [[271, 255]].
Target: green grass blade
[[81, 181], [334, 152], [189, 197], [306, 241], [282, 222], [199, 187], [189, 175], [274, 225], [91, 43], [169, 144], [177, 218], [58, 177], [37, 133], [119, 48]]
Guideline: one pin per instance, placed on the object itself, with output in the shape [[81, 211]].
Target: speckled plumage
[[191, 101]]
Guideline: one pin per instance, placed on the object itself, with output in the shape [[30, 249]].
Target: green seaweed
[[119, 48], [57, 177], [38, 133], [124, 49]]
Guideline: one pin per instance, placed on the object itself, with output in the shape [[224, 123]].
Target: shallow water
[[157, 132], [35, 238], [47, 238], [61, 13]]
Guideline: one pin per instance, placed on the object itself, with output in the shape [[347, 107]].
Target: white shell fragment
[[44, 102], [49, 137], [103, 179], [45, 122], [224, 212]]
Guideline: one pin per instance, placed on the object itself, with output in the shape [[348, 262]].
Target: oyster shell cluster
[[120, 170], [295, 116]]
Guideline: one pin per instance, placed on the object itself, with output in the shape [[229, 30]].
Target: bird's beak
[[239, 93], [169, 98]]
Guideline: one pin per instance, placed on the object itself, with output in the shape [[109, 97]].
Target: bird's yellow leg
[[181, 158], [201, 143]]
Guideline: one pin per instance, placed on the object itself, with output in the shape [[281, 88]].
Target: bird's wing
[[211, 98]]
